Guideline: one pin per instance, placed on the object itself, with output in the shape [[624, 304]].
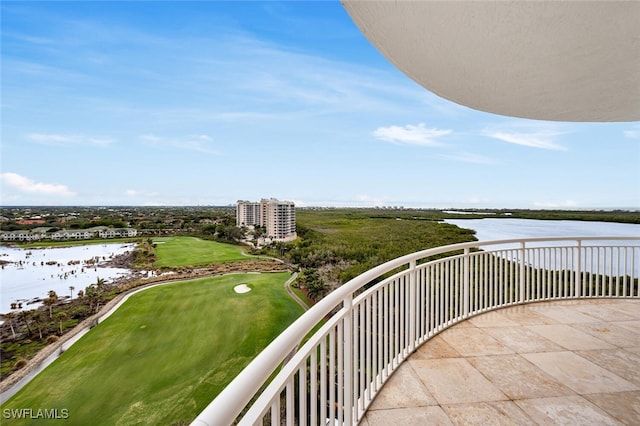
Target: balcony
[[563, 362], [476, 345]]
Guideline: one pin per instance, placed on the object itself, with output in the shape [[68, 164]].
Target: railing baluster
[[322, 403], [302, 397], [412, 305], [289, 401]]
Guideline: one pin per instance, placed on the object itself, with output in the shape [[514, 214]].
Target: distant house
[[19, 236], [117, 232], [73, 234], [67, 234]]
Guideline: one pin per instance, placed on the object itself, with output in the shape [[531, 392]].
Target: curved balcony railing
[[376, 320]]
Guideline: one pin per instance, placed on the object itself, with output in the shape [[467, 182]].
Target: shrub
[[20, 363]]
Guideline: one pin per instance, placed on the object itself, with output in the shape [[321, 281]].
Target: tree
[[93, 295], [71, 288], [315, 285], [36, 317], [50, 301], [100, 282], [10, 318], [24, 315], [60, 316]]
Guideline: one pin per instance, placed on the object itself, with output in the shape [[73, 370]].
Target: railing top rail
[[239, 392]]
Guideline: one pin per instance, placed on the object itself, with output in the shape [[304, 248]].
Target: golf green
[[190, 251], [164, 355]]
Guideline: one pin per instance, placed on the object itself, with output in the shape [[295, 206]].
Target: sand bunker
[[242, 288]]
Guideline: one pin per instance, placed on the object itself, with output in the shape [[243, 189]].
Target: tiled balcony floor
[[567, 362]]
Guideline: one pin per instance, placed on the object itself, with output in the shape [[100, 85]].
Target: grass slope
[[164, 354], [189, 251]]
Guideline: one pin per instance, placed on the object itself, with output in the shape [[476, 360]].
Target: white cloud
[[24, 184], [198, 143], [537, 138], [633, 133], [60, 140], [410, 135]]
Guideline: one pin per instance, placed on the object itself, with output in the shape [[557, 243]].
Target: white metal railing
[[381, 317]]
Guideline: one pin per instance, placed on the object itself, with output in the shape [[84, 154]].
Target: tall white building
[[278, 217], [248, 213]]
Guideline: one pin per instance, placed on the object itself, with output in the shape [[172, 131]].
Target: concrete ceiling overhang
[[547, 60]]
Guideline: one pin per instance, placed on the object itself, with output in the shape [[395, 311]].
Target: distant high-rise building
[[248, 214], [278, 217]]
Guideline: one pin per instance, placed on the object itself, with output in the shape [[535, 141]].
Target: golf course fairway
[[163, 355]]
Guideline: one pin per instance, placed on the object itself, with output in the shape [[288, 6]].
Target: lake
[[489, 229], [503, 229], [33, 272]]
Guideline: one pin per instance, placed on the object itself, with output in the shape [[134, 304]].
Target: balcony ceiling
[[549, 60]]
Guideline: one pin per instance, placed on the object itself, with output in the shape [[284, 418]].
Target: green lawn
[[164, 354], [189, 251]]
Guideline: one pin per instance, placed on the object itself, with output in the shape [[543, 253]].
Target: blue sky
[[205, 103]]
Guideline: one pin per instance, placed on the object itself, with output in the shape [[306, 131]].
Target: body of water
[[32, 273], [490, 229], [504, 229]]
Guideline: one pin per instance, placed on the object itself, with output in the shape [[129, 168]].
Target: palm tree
[[61, 316], [35, 315], [92, 295], [100, 282], [71, 288], [10, 318], [316, 287], [25, 317], [50, 301]]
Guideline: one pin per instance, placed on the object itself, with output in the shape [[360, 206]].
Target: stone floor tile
[[498, 413], [599, 381], [435, 347], [522, 340], [565, 410], [569, 337], [497, 318], [518, 378], [579, 374], [403, 390], [454, 380], [628, 308], [623, 406], [473, 342], [527, 315], [564, 314], [621, 362], [419, 416], [610, 333], [635, 350], [630, 325], [604, 312]]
